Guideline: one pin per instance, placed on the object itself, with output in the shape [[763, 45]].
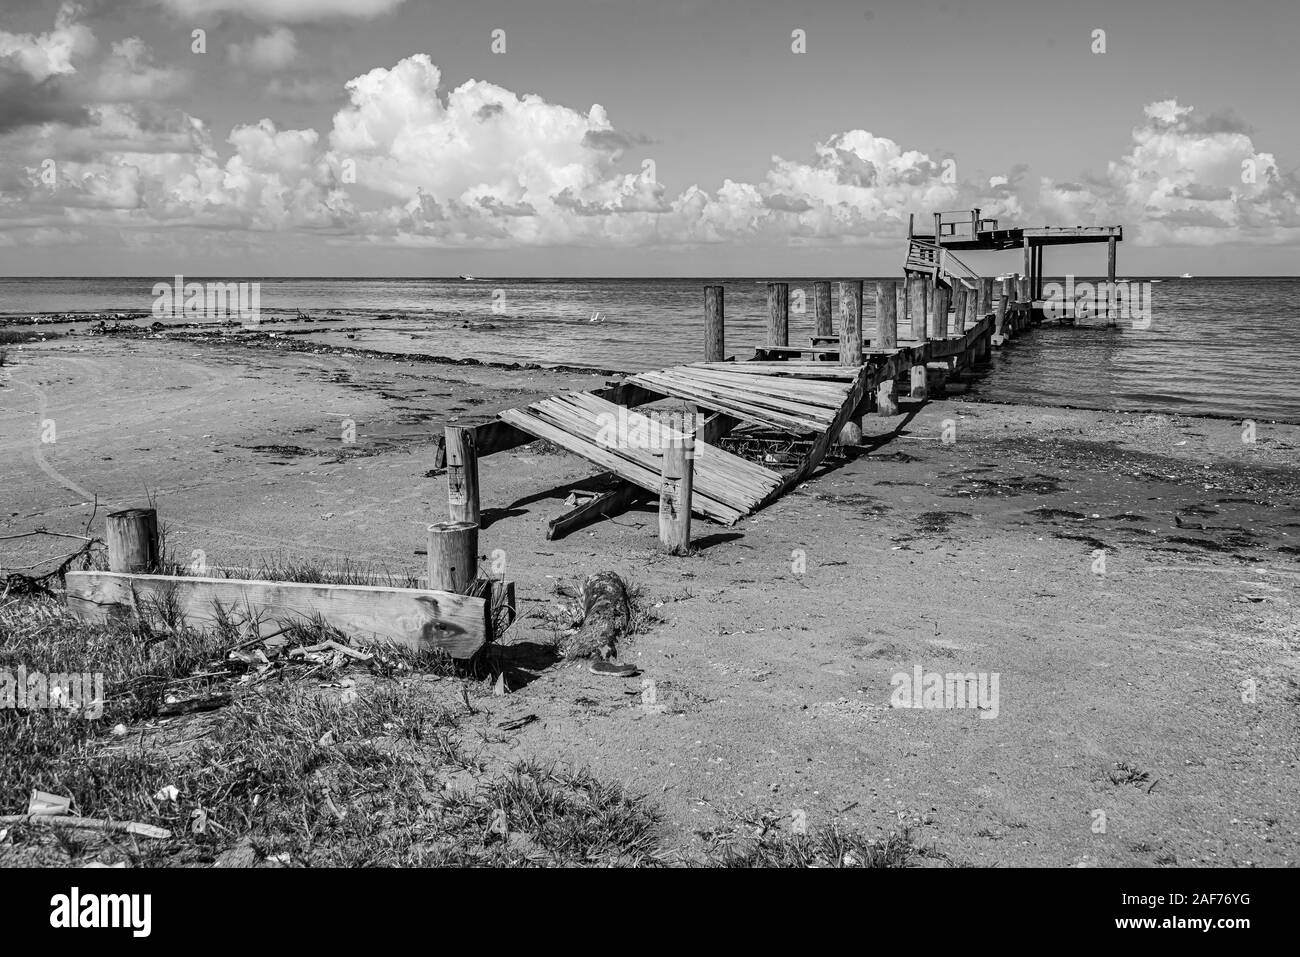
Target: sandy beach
[[1121, 684]]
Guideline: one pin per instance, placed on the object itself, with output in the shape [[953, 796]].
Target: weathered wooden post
[[714, 340], [958, 309], [939, 312], [462, 474], [1110, 280], [1000, 317], [917, 289], [886, 338], [972, 309], [1029, 259], [851, 323], [886, 315], [822, 308], [453, 556], [851, 349], [677, 484], [778, 314], [132, 538], [986, 296]]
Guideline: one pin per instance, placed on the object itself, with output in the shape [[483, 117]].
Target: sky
[[629, 138]]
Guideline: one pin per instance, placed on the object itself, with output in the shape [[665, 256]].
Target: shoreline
[[215, 334]]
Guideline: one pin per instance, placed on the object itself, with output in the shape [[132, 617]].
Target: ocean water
[[1215, 346]]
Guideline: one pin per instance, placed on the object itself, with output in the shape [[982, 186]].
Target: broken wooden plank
[[499, 436], [603, 505], [620, 465], [415, 618]]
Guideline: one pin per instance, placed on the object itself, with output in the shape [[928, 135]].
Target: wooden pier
[[941, 321]]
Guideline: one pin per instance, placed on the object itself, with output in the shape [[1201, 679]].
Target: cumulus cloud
[[268, 53], [55, 53], [284, 11], [406, 162]]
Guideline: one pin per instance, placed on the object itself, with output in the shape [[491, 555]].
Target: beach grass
[[294, 771]]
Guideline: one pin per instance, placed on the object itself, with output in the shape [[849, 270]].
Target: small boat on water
[[1185, 275], [470, 278]]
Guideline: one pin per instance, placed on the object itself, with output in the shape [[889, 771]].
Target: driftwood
[[606, 614]]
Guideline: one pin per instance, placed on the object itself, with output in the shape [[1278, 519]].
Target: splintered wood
[[630, 444]]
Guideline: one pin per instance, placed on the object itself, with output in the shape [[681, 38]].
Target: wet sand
[[1120, 692]]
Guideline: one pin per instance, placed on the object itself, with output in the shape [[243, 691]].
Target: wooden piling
[[851, 349], [972, 309], [851, 323], [677, 482], [958, 310], [939, 312], [1111, 247], [462, 474], [822, 308], [917, 302], [920, 389], [886, 315], [886, 404], [986, 296], [132, 538], [778, 315], [453, 556], [714, 339]]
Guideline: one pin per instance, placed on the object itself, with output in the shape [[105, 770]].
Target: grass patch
[[829, 845]]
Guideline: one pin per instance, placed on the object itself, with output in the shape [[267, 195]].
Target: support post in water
[[453, 556], [778, 314], [132, 538], [917, 288], [886, 315], [462, 474], [1110, 280], [851, 348], [714, 340], [822, 308], [958, 309], [1000, 315], [677, 482]]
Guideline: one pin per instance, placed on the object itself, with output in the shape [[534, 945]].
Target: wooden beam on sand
[[604, 505], [422, 620]]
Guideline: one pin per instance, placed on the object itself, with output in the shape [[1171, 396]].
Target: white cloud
[[44, 55], [481, 165], [284, 11], [268, 53], [130, 75]]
